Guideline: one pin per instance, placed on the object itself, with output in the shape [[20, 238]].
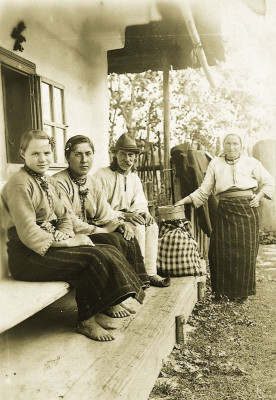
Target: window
[[19, 109], [53, 115], [30, 102]]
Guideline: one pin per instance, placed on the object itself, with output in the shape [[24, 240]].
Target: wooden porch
[[43, 358]]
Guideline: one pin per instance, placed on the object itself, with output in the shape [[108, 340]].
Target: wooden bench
[[44, 358], [19, 300]]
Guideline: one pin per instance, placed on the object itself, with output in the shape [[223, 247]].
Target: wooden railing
[[200, 237], [152, 183]]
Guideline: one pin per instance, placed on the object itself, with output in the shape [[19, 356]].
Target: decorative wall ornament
[[16, 34]]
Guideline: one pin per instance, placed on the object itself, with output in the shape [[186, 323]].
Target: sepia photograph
[[137, 200]]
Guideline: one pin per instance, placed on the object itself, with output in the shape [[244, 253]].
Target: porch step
[[43, 357], [20, 300]]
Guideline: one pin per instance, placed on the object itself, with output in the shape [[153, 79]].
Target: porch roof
[[146, 45]]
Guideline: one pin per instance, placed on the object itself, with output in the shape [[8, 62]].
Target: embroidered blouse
[[97, 210], [26, 207], [124, 192], [246, 173]]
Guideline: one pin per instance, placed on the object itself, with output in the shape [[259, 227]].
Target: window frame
[[53, 124], [21, 65]]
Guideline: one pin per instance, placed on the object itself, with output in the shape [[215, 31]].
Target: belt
[[237, 193]]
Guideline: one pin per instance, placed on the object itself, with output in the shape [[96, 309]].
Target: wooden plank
[[166, 127], [19, 300], [128, 367], [43, 357]]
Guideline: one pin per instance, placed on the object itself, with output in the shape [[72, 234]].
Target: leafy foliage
[[199, 114], [135, 104]]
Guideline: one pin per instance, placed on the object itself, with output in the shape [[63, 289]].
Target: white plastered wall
[[86, 90], [68, 42]]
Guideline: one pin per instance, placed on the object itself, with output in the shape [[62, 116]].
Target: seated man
[[125, 193]]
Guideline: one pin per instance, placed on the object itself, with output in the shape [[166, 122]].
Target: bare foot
[[105, 321], [93, 330], [116, 311], [130, 306]]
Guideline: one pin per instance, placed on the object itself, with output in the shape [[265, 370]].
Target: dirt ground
[[231, 349]]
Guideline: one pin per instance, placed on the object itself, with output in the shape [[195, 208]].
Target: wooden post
[[180, 329], [191, 27], [149, 192], [201, 290], [166, 124]]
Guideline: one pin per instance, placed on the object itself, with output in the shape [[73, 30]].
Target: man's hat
[[126, 142]]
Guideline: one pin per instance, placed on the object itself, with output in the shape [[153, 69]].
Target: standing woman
[[90, 212], [239, 182], [42, 245]]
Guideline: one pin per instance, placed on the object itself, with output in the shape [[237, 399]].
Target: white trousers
[[147, 237]]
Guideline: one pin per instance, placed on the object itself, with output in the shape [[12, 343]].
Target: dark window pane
[[17, 108]]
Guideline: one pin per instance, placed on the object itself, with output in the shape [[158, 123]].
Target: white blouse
[[246, 173]]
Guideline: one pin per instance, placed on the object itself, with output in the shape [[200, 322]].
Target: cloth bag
[[177, 250]]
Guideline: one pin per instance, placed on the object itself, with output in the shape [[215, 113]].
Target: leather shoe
[[158, 281]]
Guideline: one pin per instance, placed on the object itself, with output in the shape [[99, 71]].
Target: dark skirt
[[233, 248], [101, 274], [129, 248]]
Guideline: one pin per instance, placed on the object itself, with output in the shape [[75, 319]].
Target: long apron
[[233, 248]]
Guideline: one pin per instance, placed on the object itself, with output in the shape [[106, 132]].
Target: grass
[[230, 353]]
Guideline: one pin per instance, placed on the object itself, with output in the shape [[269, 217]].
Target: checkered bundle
[[177, 250]]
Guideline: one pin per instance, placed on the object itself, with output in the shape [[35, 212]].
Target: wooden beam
[[166, 125], [191, 27]]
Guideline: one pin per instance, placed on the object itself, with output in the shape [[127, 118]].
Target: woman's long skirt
[[101, 274], [233, 248], [129, 248]]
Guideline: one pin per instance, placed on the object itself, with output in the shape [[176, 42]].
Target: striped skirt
[[233, 248], [129, 248], [101, 274]]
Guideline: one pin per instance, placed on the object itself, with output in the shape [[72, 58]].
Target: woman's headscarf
[[232, 133]]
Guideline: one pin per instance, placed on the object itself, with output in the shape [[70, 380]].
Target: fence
[[151, 172]]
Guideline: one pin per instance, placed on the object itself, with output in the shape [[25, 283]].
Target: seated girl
[[42, 245], [91, 213]]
